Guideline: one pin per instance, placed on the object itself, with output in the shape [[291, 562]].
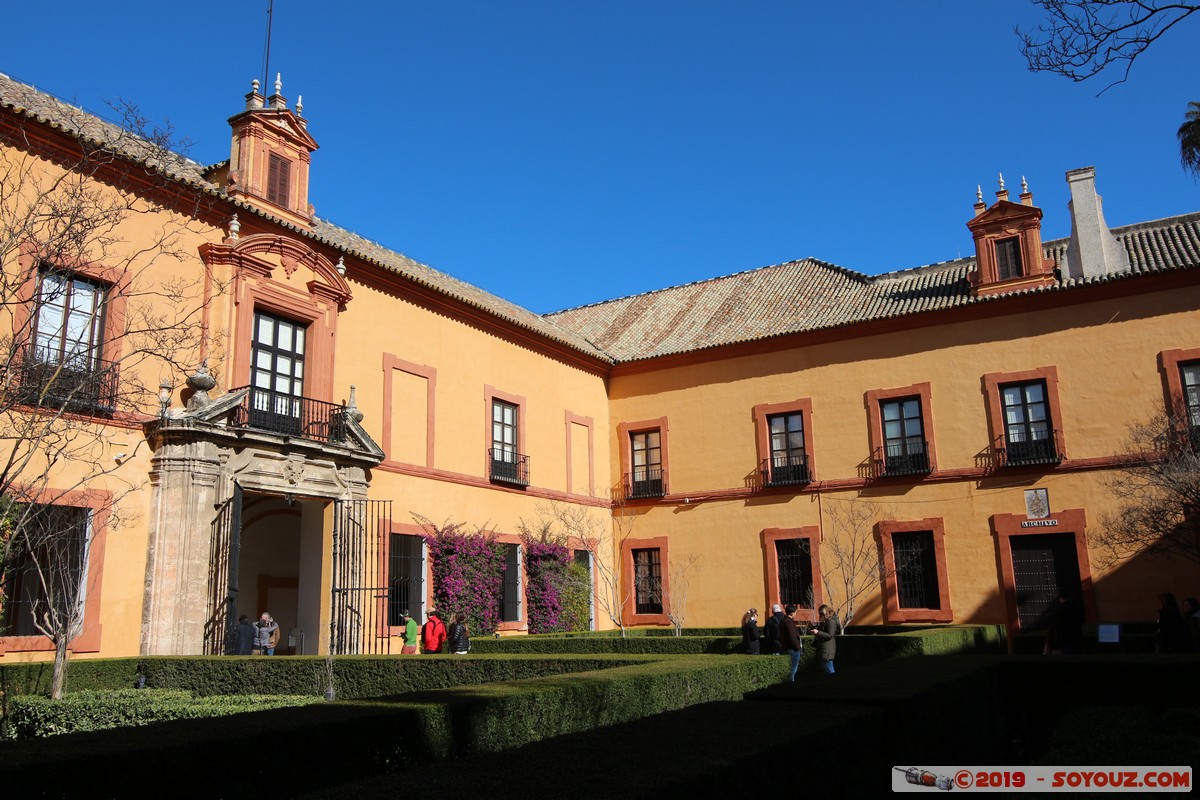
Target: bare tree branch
[[1082, 38]]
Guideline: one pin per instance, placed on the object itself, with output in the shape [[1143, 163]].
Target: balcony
[[785, 470], [75, 382], [299, 417], [508, 466], [1024, 450], [644, 483], [905, 457]]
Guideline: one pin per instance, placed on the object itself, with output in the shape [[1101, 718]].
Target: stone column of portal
[[184, 480]]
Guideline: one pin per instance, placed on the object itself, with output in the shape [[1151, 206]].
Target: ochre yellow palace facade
[[255, 407]]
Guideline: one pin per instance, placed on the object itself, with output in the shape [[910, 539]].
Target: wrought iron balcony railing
[[907, 457], [1024, 450], [508, 466], [76, 382], [785, 470], [301, 417], [642, 483]]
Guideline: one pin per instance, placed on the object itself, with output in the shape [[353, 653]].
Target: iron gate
[[220, 630], [358, 620]]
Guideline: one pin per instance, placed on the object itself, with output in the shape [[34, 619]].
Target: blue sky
[[563, 153]]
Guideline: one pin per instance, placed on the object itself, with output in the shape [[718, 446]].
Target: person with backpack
[[433, 634]]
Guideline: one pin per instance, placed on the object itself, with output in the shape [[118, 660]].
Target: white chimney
[[1093, 249]]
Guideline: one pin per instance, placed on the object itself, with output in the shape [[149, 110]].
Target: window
[[795, 570], [1008, 258], [1189, 379], [508, 465], [277, 374], [405, 568], [647, 581], [46, 572], [1028, 434], [792, 565], [510, 587], [904, 448], [646, 454], [1023, 408], [62, 366], [789, 462], [916, 569], [915, 584], [279, 171]]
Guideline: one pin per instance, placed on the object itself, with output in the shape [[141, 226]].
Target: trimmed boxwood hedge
[[34, 716], [327, 743]]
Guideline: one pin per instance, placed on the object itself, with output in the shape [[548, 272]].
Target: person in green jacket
[[411, 633]]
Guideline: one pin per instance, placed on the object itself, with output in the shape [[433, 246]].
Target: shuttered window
[[1008, 258], [279, 171]]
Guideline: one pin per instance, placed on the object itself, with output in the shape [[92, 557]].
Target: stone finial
[[341, 265], [1002, 193], [978, 193], [352, 411], [1026, 195], [254, 99], [1001, 174], [200, 382], [235, 227], [299, 105], [278, 83]]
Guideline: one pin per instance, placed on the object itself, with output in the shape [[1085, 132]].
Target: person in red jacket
[[433, 633]]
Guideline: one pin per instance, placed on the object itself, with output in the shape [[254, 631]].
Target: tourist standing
[[826, 631], [789, 639], [773, 629], [411, 633], [433, 633], [750, 633], [244, 636], [266, 635], [460, 635]]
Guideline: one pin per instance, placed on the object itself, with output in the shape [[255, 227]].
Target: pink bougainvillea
[[467, 573]]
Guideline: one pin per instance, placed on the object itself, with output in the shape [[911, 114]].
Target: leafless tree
[[852, 565], [1158, 492], [1081, 38], [681, 571], [603, 536], [100, 300]]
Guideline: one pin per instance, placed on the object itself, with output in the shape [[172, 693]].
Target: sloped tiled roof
[[811, 295], [46, 109], [796, 297]]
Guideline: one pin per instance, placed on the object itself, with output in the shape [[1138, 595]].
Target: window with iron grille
[[916, 569], [405, 562], [1008, 258], [904, 448], [789, 463], [646, 457], [1189, 375], [510, 587], [1028, 433], [62, 363], [276, 373], [647, 581], [794, 560], [46, 569], [279, 173]]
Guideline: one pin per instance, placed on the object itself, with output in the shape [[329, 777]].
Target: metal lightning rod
[[267, 54]]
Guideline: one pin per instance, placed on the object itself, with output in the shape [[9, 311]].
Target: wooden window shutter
[[278, 174], [1008, 258]]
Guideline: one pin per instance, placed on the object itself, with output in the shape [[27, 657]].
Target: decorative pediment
[[244, 254]]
